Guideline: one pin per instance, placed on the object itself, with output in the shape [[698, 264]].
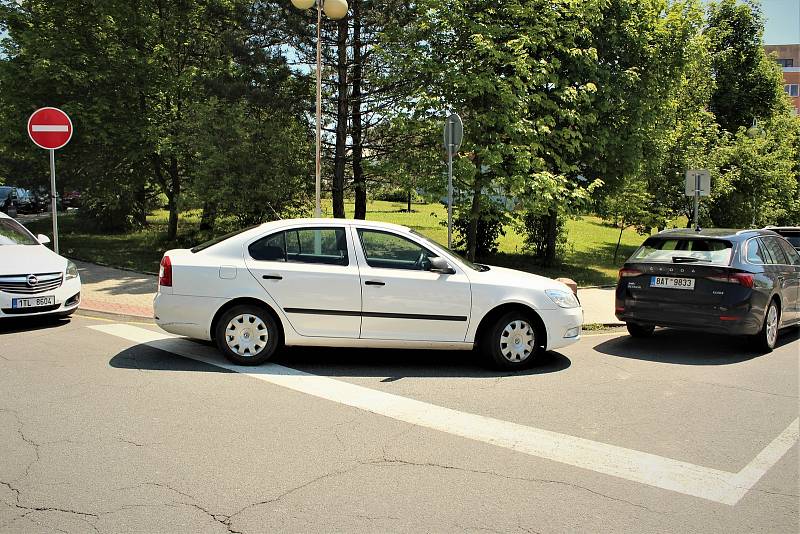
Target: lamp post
[[334, 9]]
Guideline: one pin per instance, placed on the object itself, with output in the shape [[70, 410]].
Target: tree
[[748, 83]]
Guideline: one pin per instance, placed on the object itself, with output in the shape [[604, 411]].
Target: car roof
[[719, 233], [311, 221]]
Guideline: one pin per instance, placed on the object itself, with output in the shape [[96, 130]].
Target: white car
[[353, 283], [34, 280]]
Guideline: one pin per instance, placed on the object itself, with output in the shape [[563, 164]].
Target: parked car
[[8, 199], [72, 199], [26, 203], [741, 282], [333, 282], [791, 233], [34, 280]]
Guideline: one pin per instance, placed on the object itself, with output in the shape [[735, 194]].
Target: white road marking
[[49, 128], [629, 464]]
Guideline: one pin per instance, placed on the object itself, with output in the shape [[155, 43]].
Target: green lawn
[[589, 261]]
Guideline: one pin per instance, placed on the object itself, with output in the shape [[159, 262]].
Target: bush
[[537, 227], [490, 228]]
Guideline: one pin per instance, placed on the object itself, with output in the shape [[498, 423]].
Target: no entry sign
[[49, 128]]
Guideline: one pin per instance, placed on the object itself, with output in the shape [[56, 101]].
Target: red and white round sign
[[50, 128]]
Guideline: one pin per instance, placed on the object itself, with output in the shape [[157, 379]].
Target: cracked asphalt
[[102, 435]]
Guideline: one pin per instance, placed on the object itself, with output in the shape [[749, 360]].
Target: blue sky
[[782, 24]]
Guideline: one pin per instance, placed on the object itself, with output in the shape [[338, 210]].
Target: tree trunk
[[340, 154], [619, 239], [359, 180], [475, 213], [172, 204], [551, 237], [409, 201], [140, 212], [209, 217]]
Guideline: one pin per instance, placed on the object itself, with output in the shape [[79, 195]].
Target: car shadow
[[14, 325], [389, 364], [688, 348]]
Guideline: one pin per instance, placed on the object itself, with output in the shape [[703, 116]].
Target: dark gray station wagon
[[741, 282]]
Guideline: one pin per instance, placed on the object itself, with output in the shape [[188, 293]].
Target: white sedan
[[34, 280], [353, 283]]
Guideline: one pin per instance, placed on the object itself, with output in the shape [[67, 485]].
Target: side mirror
[[43, 239], [440, 265]]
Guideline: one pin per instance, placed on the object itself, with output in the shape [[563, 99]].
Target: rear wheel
[[247, 335], [640, 330], [768, 335], [512, 342]]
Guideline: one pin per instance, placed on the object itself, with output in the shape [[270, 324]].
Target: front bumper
[[67, 299], [563, 326]]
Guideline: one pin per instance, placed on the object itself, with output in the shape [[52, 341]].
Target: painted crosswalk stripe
[[629, 464]]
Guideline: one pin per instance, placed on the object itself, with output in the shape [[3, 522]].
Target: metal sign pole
[[696, 199], [450, 187], [53, 198]]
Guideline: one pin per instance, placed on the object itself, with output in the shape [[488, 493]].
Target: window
[[390, 251], [754, 253], [217, 240], [792, 89], [774, 251], [13, 233], [684, 250], [785, 62], [303, 245], [791, 254]]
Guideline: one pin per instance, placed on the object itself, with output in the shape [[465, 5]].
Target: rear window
[[687, 250], [219, 239]]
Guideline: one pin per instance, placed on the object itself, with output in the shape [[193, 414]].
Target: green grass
[[589, 260]]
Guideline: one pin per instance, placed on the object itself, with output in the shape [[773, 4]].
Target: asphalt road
[[111, 427]]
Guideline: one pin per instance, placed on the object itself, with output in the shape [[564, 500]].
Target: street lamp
[[334, 9]]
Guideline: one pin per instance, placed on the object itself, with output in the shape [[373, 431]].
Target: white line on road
[[49, 128], [629, 464]]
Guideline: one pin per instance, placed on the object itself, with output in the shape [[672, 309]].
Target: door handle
[[374, 283], [272, 277]]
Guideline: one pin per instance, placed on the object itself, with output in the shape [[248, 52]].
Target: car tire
[[765, 339], [247, 335], [640, 330], [512, 342]]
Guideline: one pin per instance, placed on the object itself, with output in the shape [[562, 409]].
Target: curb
[[98, 314], [111, 266]]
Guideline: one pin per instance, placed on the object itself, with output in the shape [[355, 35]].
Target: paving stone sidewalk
[[110, 290]]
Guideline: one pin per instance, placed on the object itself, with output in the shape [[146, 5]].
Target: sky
[[782, 24]]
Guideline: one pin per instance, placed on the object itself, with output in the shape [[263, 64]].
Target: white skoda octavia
[[34, 280], [352, 283]]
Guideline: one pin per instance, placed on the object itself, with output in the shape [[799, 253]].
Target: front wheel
[[766, 338], [247, 335], [512, 342], [640, 330]]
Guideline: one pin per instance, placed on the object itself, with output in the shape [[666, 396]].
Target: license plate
[[672, 283], [33, 302]]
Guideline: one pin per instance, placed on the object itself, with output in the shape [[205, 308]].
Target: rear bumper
[[186, 315], [741, 320]]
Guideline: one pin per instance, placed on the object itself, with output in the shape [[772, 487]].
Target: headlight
[[565, 299], [72, 271]]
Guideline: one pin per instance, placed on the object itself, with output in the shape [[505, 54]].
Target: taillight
[[743, 279], [165, 272], [628, 273]]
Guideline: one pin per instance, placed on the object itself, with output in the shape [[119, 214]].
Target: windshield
[[688, 250], [13, 233], [467, 263], [219, 239]]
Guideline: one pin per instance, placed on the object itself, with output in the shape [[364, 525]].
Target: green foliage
[[491, 224], [757, 182], [539, 230], [748, 83]]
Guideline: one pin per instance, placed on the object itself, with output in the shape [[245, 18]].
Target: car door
[[793, 258], [785, 278], [312, 274], [401, 298]]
